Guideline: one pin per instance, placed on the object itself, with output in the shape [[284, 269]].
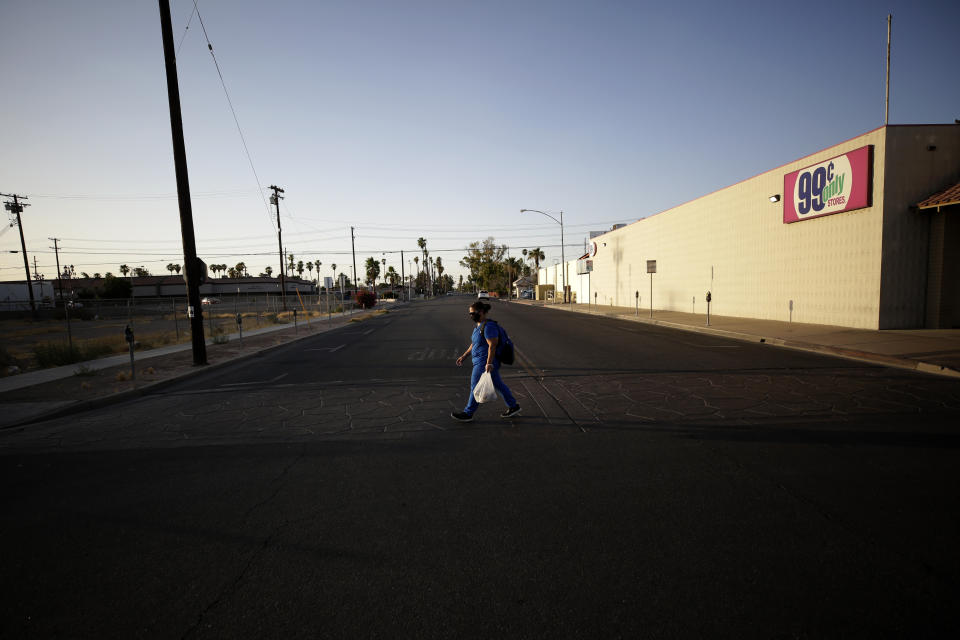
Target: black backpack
[[505, 346]]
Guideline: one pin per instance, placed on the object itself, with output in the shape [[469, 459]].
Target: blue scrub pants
[[501, 388]]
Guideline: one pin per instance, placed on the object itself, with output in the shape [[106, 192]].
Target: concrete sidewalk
[[930, 351]]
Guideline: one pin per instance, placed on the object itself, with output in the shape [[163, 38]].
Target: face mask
[[475, 316]]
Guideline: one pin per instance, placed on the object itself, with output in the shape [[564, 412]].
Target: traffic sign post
[[651, 269]]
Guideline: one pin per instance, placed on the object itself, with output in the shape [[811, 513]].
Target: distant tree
[[310, 269], [124, 269], [290, 264], [108, 275], [484, 260], [439, 265], [177, 267], [373, 270], [97, 276], [141, 272], [300, 268], [116, 287], [535, 256], [241, 270], [269, 271], [170, 267], [232, 272], [392, 276]]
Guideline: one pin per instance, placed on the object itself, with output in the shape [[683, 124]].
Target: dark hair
[[483, 307]]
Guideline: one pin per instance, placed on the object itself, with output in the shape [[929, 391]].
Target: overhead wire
[[235, 118], [184, 36]]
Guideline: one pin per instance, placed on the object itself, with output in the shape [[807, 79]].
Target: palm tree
[[392, 276], [124, 269], [535, 256], [170, 267], [310, 269], [373, 270], [241, 269], [300, 268], [268, 270], [439, 266], [290, 264], [422, 243], [177, 267]]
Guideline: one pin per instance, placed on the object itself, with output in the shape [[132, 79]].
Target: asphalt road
[[659, 484]]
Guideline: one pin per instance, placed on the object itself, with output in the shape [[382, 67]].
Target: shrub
[[7, 362], [56, 354], [366, 299]]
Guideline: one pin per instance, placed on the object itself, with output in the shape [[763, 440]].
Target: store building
[[864, 234]]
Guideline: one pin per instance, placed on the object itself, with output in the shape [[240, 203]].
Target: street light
[[563, 257]]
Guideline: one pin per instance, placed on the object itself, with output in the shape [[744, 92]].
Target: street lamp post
[[563, 257]]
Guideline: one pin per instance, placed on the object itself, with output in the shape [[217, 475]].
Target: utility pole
[[353, 249], [886, 108], [403, 275], [36, 274], [275, 199], [192, 264], [17, 207], [66, 309]]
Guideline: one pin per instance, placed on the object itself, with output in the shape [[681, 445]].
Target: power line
[[234, 112], [226, 193], [184, 36]]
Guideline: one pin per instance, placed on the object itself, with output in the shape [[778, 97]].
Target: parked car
[[483, 295], [210, 300]]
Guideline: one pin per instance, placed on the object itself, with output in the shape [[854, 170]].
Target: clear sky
[[439, 119]]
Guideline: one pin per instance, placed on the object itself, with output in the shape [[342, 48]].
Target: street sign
[[651, 266]]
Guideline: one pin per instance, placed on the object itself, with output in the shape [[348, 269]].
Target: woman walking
[[483, 349]]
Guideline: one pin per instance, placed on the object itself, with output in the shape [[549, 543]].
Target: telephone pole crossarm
[[16, 207]]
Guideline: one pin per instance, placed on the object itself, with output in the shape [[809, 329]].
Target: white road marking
[[259, 382], [330, 349], [713, 346]]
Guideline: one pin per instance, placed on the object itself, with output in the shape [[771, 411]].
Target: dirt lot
[[30, 344], [96, 384]]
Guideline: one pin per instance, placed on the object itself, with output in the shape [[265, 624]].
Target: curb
[[841, 352], [95, 403]]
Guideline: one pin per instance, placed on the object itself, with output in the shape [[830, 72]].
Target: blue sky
[[437, 119]]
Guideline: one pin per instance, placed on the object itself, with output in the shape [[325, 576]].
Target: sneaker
[[512, 411], [462, 416]]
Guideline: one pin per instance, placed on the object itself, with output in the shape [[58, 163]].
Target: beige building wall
[[865, 268], [921, 160], [734, 243]]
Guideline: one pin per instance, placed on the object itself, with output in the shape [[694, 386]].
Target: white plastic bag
[[485, 391]]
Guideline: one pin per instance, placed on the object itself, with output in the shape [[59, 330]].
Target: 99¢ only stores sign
[[833, 186]]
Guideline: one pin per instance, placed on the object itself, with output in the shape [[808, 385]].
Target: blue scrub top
[[480, 347]]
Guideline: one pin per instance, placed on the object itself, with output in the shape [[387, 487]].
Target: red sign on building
[[839, 184]]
